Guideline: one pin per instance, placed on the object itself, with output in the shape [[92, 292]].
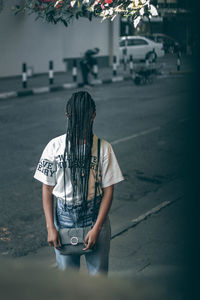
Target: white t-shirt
[[50, 168]]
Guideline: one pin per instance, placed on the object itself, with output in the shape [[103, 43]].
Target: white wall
[[83, 34], [22, 39]]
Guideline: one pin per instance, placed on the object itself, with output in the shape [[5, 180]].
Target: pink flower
[[108, 1]]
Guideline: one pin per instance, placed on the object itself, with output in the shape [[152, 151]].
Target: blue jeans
[[97, 260]]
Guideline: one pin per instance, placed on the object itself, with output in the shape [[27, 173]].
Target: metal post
[[95, 70], [114, 65], [74, 70], [51, 73], [126, 49], [110, 41], [178, 62], [125, 54], [147, 62], [131, 64], [24, 75]]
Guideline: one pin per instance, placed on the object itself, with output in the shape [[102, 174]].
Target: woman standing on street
[[80, 171]]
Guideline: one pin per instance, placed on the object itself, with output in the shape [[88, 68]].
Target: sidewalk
[[37, 84], [12, 86], [170, 64]]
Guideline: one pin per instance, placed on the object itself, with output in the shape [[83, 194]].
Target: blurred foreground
[[26, 281]]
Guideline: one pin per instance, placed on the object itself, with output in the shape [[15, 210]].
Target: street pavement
[[148, 127], [39, 83]]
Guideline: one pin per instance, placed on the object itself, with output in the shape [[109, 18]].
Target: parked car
[[140, 48], [170, 45]]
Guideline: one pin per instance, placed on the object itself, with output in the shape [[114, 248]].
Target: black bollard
[[74, 70], [51, 73], [95, 70], [131, 64], [125, 56], [114, 65], [24, 75], [147, 62], [178, 62]]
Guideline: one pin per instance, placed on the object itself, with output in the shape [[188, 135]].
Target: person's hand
[[91, 238], [53, 238]]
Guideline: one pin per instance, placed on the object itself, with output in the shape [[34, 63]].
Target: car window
[[131, 42], [138, 42]]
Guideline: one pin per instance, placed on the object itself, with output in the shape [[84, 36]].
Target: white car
[[140, 48]]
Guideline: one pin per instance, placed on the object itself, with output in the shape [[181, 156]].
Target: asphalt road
[[149, 128]]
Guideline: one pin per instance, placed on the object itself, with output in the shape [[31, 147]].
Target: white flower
[[57, 2], [108, 12], [96, 2], [86, 1], [145, 2], [153, 10], [141, 11], [118, 9], [138, 3], [136, 21], [113, 17], [111, 11], [72, 3]]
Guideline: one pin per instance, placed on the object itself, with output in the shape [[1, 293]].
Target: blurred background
[[144, 81]]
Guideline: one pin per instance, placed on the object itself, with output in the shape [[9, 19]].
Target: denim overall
[[97, 260]]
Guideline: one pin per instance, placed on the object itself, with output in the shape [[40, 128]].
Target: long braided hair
[[79, 139]]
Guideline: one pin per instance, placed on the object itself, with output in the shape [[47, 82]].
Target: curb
[[181, 72], [56, 88]]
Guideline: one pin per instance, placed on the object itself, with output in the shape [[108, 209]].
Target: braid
[[79, 139]]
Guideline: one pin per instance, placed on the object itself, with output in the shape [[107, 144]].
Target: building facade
[[22, 39]]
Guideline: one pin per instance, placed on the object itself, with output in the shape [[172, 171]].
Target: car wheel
[[137, 80]]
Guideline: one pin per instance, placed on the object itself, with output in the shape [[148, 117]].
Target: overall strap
[[96, 179]]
